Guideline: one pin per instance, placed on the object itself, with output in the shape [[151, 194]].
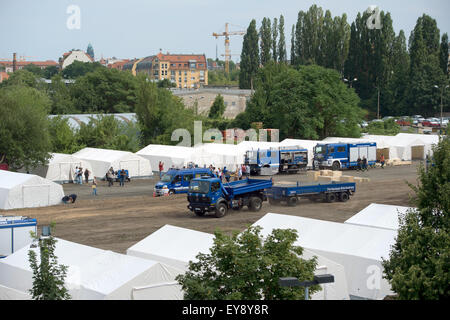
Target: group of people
[[241, 172], [78, 175], [122, 175], [362, 164]]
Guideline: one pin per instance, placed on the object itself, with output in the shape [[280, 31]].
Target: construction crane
[[227, 35]]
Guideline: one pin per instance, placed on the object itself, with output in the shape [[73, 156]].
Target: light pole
[[294, 282], [350, 81], [442, 93]]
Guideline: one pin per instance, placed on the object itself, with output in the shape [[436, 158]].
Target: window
[[177, 179], [215, 186], [192, 78], [179, 79], [192, 65], [172, 73], [331, 149], [341, 149], [185, 73], [179, 73], [188, 177], [165, 72], [185, 79], [202, 73]]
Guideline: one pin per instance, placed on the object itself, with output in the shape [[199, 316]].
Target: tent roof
[[98, 270], [379, 215], [164, 150], [175, 243], [367, 242], [9, 180], [106, 155]]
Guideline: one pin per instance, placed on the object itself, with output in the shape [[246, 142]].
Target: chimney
[[14, 62]]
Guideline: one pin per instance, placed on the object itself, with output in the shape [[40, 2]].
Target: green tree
[[50, 71], [217, 108], [274, 40], [247, 267], [443, 54], [282, 55], [64, 139], [79, 69], [24, 78], [34, 69], [384, 128], [90, 50], [24, 135], [166, 83], [48, 275], [265, 34], [60, 94], [293, 47], [417, 267], [249, 57]]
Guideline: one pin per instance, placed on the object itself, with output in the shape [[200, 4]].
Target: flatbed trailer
[[329, 192]]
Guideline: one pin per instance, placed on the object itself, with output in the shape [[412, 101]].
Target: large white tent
[[95, 274], [217, 154], [21, 190], [61, 168], [359, 249], [380, 216], [177, 246], [103, 159], [171, 156]]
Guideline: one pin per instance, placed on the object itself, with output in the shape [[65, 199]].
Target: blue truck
[[211, 195], [274, 160], [343, 155], [177, 180], [329, 192]]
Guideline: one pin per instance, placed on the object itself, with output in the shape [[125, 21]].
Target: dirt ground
[[121, 216]]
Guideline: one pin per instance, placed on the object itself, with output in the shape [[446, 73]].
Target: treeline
[[377, 63]]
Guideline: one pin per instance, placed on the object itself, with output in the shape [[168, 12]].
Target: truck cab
[[177, 180]]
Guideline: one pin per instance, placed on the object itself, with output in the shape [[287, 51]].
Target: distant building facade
[[186, 71], [75, 55]]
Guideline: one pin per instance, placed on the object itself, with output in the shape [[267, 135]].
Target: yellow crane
[[227, 35]]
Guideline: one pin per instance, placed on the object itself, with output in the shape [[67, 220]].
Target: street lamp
[[442, 93], [350, 81], [294, 282]]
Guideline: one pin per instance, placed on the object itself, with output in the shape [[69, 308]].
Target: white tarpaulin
[[61, 168], [103, 159], [21, 190], [380, 216], [177, 246], [95, 274], [171, 156], [358, 249], [218, 154]]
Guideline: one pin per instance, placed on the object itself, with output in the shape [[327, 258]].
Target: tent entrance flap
[[133, 167], [417, 152], [383, 151], [36, 196]]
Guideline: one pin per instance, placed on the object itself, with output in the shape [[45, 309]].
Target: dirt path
[[120, 217]]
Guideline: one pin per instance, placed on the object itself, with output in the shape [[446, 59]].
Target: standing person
[[94, 187], [247, 171], [80, 175], [382, 161], [109, 177], [240, 173], [122, 177], [359, 167], [86, 175], [161, 168], [75, 175], [364, 162]]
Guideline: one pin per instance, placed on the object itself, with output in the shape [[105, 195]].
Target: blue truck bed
[[246, 186]]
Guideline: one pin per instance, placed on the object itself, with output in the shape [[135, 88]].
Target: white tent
[[217, 154], [379, 216], [345, 140], [417, 140], [176, 156], [61, 168], [103, 159], [95, 274], [306, 144], [358, 249], [20, 190], [177, 246], [173, 246]]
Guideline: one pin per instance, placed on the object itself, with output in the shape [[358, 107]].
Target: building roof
[[24, 63]]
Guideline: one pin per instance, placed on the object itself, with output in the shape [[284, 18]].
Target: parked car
[[403, 122], [435, 123], [426, 123]]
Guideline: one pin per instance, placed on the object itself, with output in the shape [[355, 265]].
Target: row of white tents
[[351, 251], [61, 167]]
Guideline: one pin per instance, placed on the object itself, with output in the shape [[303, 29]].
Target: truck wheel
[[292, 201], [344, 197], [331, 197], [171, 192], [221, 210], [255, 204], [200, 213], [336, 166]]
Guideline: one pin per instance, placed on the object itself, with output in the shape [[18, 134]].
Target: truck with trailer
[[211, 195], [329, 192], [343, 155], [177, 180], [274, 160]]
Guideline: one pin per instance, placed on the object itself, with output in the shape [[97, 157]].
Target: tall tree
[[265, 34], [417, 267], [217, 108], [249, 57], [443, 54], [275, 39], [282, 54], [293, 48], [90, 50]]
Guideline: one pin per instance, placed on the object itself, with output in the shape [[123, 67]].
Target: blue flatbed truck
[[211, 195], [329, 192]]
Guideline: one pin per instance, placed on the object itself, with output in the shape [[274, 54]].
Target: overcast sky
[[137, 28]]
